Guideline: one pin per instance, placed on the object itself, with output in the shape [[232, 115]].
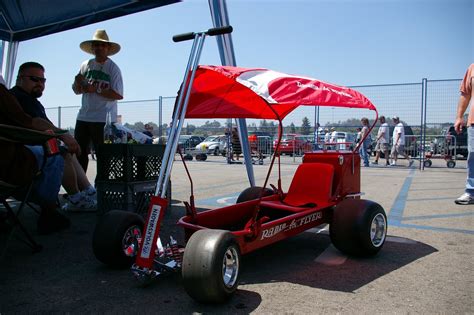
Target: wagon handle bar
[[211, 32]]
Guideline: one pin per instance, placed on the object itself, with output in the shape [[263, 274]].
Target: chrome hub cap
[[378, 230], [131, 241], [230, 267]]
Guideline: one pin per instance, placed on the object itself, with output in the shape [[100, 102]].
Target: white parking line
[[226, 201]]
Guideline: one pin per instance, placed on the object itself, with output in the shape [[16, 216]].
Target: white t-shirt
[[383, 129], [327, 137], [399, 130], [104, 76]]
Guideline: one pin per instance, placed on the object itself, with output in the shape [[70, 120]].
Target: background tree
[[306, 126], [292, 128]]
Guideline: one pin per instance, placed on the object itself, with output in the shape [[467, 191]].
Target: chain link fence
[[427, 107]]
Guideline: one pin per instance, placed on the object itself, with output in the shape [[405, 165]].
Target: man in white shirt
[[398, 145], [333, 139], [383, 139], [100, 83]]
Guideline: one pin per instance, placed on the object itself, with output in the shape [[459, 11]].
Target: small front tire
[[115, 238], [252, 193]]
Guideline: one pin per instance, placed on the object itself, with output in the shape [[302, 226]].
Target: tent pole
[[220, 18], [10, 62]]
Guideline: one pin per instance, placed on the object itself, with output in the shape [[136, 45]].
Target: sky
[[347, 42]]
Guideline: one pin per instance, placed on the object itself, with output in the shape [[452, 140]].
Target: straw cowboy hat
[[100, 36]]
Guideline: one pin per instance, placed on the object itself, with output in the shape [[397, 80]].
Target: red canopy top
[[233, 92]]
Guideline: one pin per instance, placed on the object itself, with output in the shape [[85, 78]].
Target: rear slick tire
[[358, 227], [211, 266]]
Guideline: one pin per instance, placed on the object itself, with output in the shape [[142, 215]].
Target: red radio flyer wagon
[[325, 188]]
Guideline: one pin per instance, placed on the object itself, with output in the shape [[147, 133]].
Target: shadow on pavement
[[66, 277], [295, 261]]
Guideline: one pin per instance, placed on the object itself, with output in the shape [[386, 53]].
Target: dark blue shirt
[[30, 104]]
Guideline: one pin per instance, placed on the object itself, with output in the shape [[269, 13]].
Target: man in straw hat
[[100, 83]]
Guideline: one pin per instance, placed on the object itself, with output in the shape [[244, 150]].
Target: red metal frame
[[264, 221]]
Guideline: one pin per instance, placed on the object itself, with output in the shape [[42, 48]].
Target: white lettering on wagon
[[324, 88], [274, 230], [150, 231]]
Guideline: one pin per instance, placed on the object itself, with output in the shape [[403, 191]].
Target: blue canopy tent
[[27, 19]]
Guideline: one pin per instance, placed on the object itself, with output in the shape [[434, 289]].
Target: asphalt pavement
[[426, 265]]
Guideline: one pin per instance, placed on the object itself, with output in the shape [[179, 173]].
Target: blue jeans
[[47, 185], [363, 153], [470, 161]]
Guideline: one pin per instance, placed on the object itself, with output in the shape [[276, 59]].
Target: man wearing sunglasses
[[100, 82], [30, 84], [19, 164]]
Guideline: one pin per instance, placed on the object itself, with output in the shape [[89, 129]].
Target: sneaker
[[85, 204], [375, 163], [89, 194], [52, 222], [410, 163], [465, 199], [393, 164], [387, 163]]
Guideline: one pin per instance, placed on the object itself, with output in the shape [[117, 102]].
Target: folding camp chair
[[25, 137]]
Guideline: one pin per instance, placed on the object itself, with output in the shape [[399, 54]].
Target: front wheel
[[252, 193], [358, 227], [451, 164], [211, 266], [116, 238]]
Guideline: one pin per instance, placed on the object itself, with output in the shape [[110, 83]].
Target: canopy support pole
[[7, 70], [220, 18]]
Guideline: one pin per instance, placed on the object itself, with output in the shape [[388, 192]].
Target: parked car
[[187, 142], [293, 144], [212, 145], [347, 140]]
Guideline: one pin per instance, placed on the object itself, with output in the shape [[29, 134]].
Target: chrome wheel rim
[[230, 267], [131, 241], [378, 230]]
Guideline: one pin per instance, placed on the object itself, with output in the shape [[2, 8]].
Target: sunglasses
[[35, 78]]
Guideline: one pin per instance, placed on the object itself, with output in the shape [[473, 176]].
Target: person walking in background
[[383, 139], [148, 130], [358, 132], [236, 147], [327, 136], [332, 139], [466, 96], [364, 133], [100, 83], [398, 145]]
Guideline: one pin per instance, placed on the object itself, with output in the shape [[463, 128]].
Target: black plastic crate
[[129, 162], [134, 197]]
